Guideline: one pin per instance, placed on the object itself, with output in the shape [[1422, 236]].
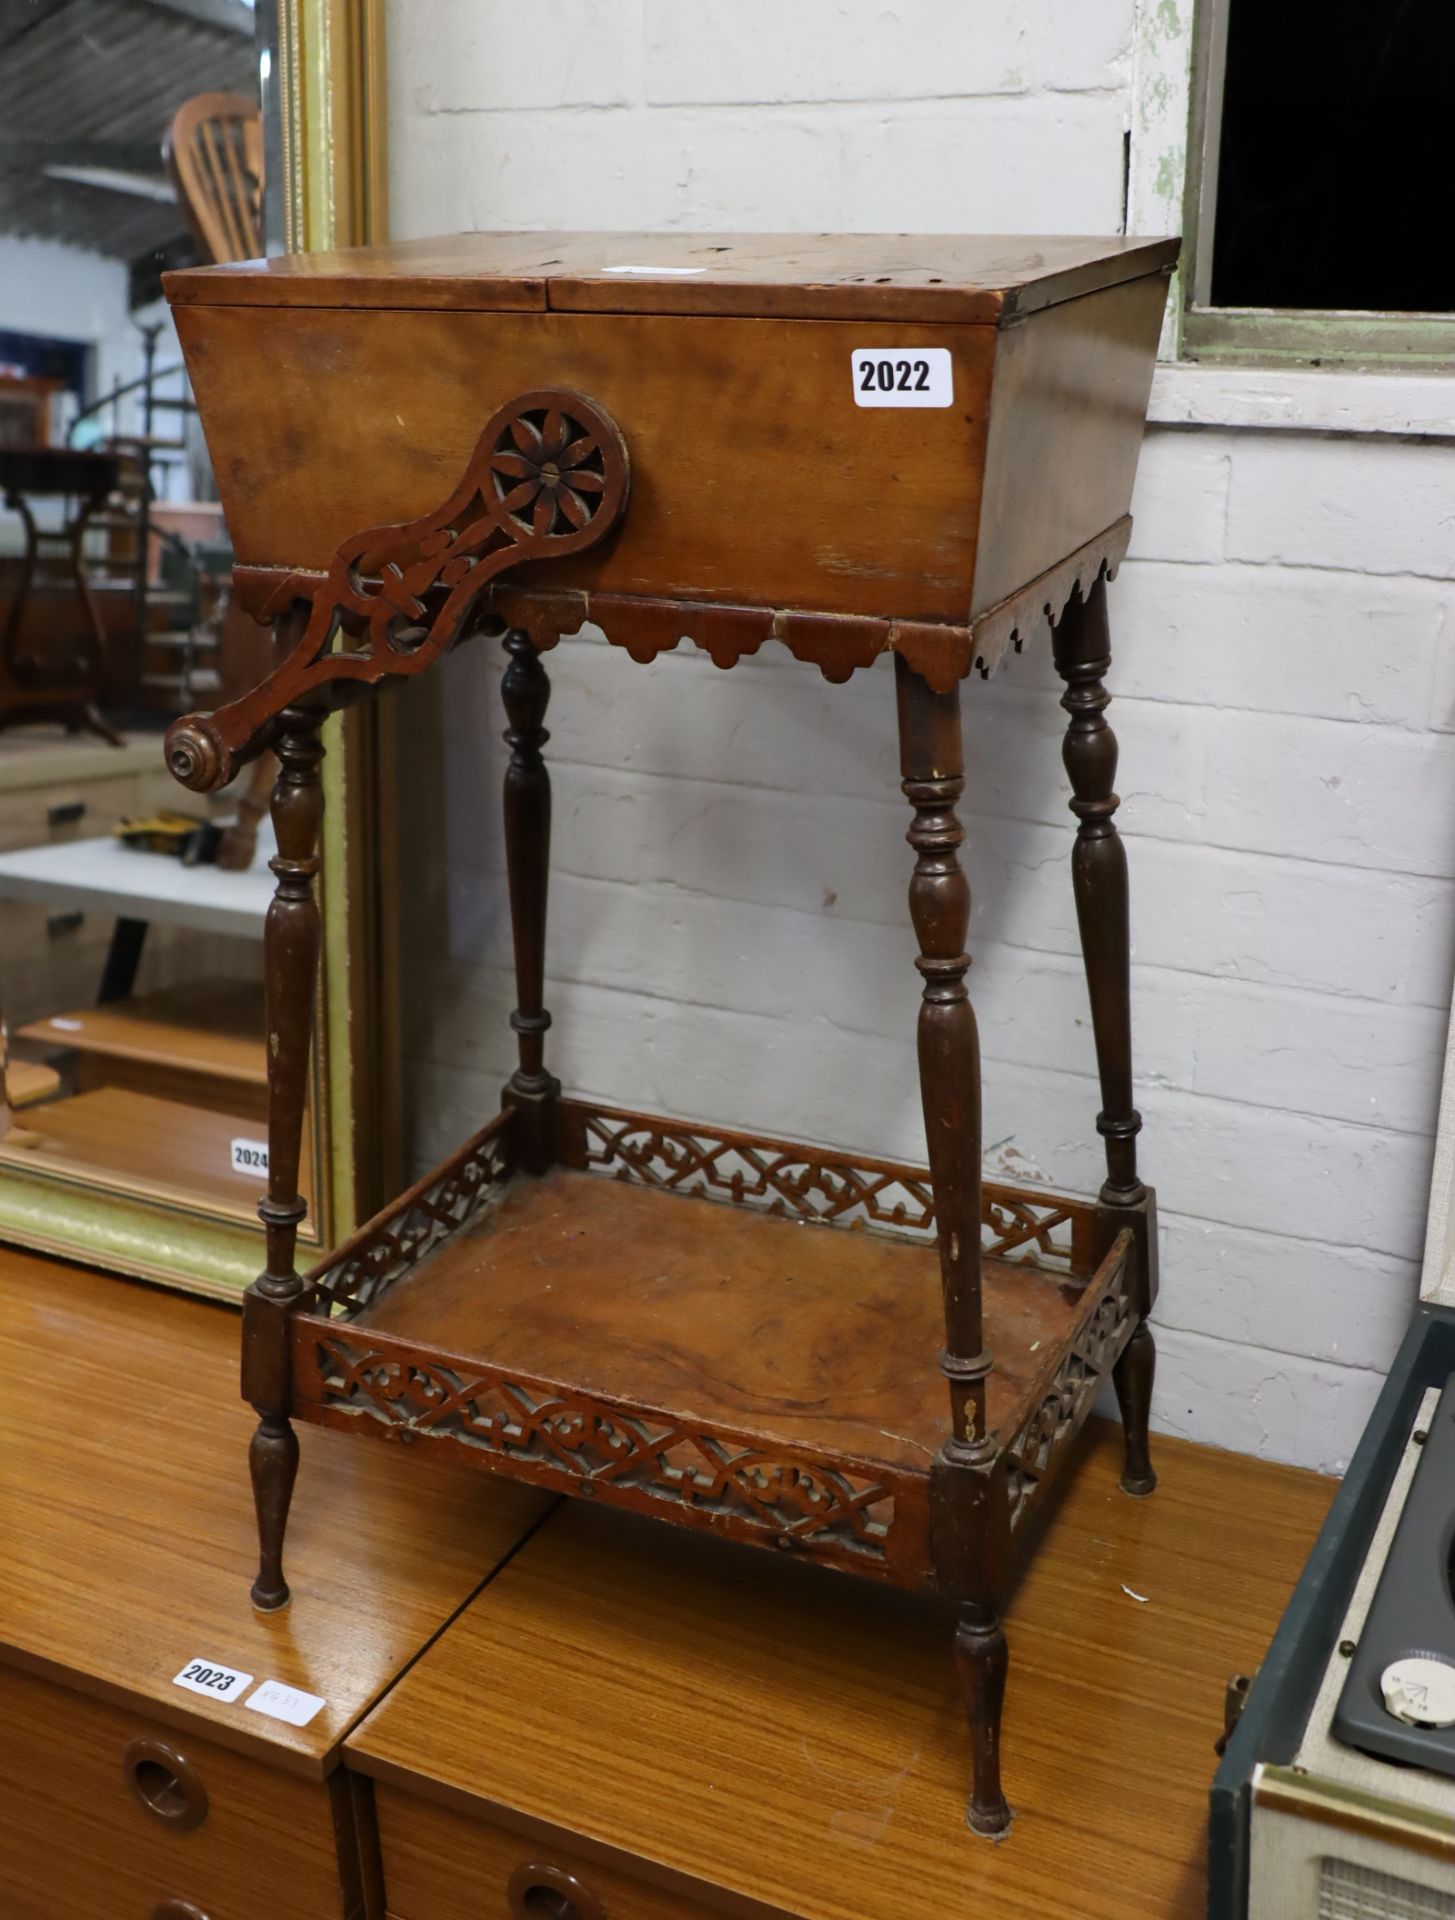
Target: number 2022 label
[[903, 377]]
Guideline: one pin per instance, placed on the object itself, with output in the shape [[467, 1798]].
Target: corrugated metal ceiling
[[95, 83]]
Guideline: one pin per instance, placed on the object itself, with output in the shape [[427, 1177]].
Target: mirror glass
[[131, 913]]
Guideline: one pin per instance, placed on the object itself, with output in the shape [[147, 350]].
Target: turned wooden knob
[[540, 1892], [195, 755], [167, 1784]]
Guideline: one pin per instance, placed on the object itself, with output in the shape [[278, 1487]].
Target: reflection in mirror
[[131, 916]]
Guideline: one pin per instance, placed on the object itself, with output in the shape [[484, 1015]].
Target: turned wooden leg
[[290, 965], [1099, 880], [970, 1516], [932, 761], [532, 1091], [981, 1657], [273, 1463], [1132, 1378]]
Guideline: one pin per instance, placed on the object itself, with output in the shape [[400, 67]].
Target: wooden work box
[[123, 1794], [854, 446]]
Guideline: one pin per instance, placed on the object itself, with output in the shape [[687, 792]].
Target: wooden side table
[[853, 446]]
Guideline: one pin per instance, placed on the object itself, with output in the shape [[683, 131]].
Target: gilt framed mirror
[[132, 1131]]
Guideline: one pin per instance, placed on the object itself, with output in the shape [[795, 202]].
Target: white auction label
[[250, 1156], [285, 1703], [903, 377], [211, 1678], [657, 273]]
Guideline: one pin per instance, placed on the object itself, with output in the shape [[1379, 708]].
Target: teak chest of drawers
[[851, 445], [122, 1795], [719, 1733]]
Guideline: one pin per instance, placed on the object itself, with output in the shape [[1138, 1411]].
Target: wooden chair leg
[[239, 842], [1132, 1378], [94, 721], [982, 1657]]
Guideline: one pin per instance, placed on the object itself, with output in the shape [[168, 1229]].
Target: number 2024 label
[[903, 377]]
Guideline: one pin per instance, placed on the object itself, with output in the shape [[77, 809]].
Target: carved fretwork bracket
[[549, 477]]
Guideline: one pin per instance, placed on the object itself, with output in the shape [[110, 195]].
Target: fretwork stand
[[929, 452]]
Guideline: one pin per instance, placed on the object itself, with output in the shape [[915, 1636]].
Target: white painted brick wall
[[728, 929]]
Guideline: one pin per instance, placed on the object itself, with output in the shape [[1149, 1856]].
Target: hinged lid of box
[[911, 277]]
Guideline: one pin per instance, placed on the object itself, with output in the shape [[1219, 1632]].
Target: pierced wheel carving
[[549, 477], [550, 471]]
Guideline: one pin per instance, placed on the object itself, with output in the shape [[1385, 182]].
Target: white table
[[103, 876]]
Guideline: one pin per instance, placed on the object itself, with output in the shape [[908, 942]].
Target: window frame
[[1268, 336]]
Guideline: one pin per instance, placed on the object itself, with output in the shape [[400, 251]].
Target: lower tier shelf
[[724, 1331]]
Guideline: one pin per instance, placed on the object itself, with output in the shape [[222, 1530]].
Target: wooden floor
[[794, 1735]]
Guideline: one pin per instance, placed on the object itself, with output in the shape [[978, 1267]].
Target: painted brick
[[1332, 501], [1288, 1173], [1280, 1173], [1278, 640], [1240, 915], [468, 56], [1179, 503], [1359, 1060], [1339, 1304], [1319, 790], [860, 978], [1277, 1405], [1195, 909], [757, 51], [1442, 694], [1271, 1172], [623, 169], [1046, 165], [1326, 1056], [747, 727]]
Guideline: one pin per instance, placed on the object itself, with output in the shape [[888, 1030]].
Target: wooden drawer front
[[233, 1838], [35, 816], [81, 809], [440, 1865]]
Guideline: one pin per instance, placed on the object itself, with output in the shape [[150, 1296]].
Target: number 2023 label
[[903, 377], [213, 1680]]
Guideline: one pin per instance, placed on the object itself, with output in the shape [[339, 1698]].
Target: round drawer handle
[[539, 1892], [167, 1784], [178, 1910]]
